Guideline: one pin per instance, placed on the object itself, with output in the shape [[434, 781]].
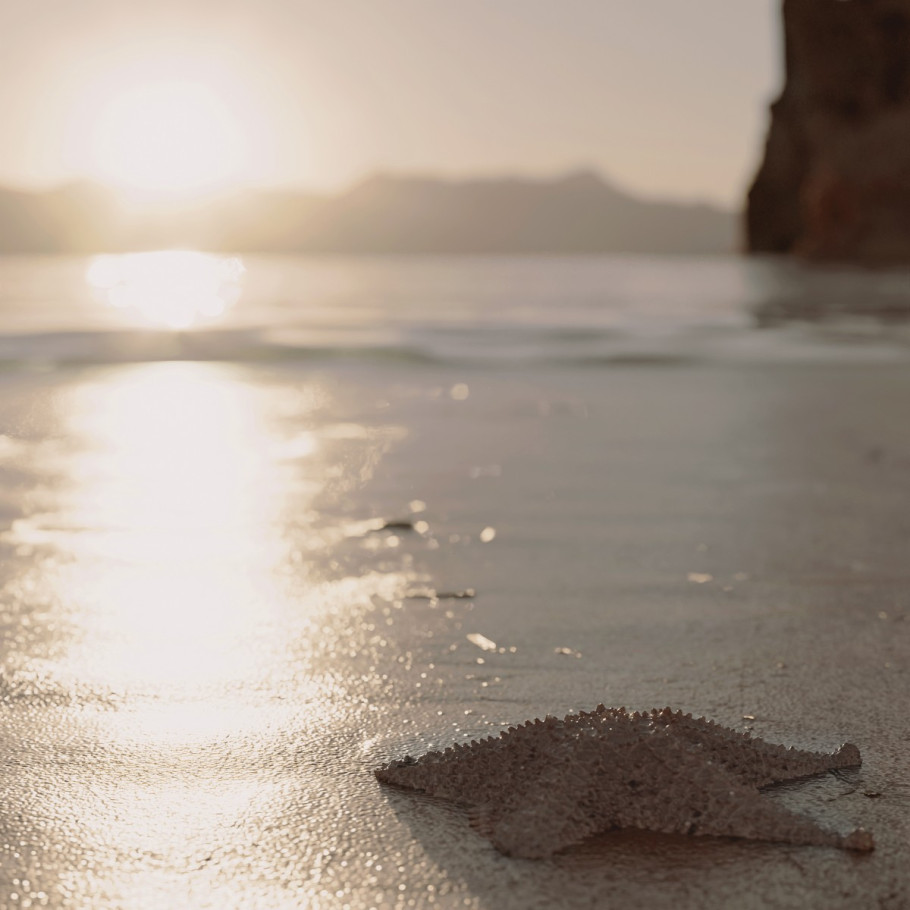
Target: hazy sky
[[666, 97]]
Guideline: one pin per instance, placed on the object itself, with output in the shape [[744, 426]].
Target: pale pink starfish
[[548, 784]]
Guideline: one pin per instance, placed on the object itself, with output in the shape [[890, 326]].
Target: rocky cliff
[[835, 180]]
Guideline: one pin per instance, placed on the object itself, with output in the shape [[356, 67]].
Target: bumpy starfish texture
[[548, 784]]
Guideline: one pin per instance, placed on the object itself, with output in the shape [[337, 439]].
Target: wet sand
[[207, 645]]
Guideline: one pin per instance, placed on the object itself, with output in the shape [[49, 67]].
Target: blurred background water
[[485, 310]]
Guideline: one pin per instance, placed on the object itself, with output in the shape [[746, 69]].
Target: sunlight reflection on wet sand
[[177, 527], [186, 569], [177, 496]]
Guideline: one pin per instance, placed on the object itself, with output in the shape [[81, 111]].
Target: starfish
[[548, 784]]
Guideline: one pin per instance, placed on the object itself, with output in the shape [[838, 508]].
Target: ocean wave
[[602, 312], [471, 350], [112, 347]]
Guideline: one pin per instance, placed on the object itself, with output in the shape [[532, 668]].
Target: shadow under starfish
[[548, 784]]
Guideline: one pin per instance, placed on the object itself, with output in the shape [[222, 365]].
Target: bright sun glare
[[168, 138], [174, 289]]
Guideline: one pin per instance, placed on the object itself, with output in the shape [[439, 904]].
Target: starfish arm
[[753, 760], [773, 764], [554, 814], [760, 764], [720, 805]]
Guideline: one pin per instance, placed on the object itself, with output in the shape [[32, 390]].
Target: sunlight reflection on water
[[177, 289]]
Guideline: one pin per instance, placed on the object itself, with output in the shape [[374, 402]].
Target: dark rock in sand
[[398, 525]]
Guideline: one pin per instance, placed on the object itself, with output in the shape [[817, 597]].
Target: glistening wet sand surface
[[207, 646]]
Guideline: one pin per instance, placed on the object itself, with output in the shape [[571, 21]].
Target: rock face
[[835, 181], [549, 784]]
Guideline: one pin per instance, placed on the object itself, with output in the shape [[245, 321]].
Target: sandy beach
[[455, 456], [209, 644]]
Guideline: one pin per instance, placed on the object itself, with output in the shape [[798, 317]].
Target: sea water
[[497, 311]]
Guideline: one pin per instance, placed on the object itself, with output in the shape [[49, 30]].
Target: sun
[[168, 138]]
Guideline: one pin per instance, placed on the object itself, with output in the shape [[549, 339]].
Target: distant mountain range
[[578, 213]]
